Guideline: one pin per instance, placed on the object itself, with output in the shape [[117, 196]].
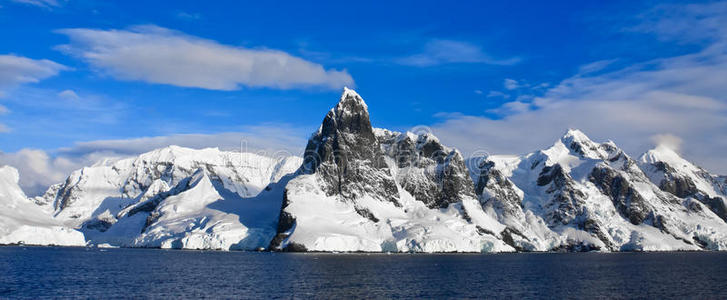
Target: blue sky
[[81, 80]]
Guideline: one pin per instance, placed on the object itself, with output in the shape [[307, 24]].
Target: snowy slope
[[366, 190], [21, 221], [675, 175], [582, 195], [174, 198]]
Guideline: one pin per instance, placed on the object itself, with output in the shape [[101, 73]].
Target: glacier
[[358, 188]]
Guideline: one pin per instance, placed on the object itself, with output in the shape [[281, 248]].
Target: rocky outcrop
[[628, 201], [366, 189], [346, 154], [428, 170]]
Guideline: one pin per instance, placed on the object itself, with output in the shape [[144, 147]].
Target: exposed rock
[[625, 197]]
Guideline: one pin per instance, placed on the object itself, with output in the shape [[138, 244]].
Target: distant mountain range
[[360, 188]]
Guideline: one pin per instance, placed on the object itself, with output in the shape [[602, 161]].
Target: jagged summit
[[365, 189], [350, 102], [346, 150]]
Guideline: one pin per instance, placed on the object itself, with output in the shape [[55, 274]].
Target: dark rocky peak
[[346, 153], [351, 103], [345, 134]]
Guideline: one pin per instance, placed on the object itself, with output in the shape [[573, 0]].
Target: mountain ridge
[[360, 188]]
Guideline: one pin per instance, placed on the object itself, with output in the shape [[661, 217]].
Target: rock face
[[346, 153], [581, 195], [174, 198], [366, 189], [429, 171], [23, 222]]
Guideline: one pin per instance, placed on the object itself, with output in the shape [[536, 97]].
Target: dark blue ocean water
[[38, 272]]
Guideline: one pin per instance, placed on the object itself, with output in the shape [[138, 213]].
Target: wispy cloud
[[495, 94], [438, 52], [41, 3], [686, 23], [159, 55], [188, 16], [510, 84], [16, 70], [37, 169], [68, 95], [682, 96]]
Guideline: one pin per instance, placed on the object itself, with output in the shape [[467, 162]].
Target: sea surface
[[50, 272]]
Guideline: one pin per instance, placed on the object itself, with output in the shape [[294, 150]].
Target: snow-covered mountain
[[173, 198], [582, 195], [359, 188], [683, 179], [23, 222]]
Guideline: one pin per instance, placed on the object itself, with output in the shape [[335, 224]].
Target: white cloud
[[4, 128], [685, 23], [667, 140], [68, 95], [493, 94], [510, 84], [682, 97], [188, 16], [158, 55], [16, 70], [512, 107], [40, 3], [438, 52], [478, 92], [37, 169]]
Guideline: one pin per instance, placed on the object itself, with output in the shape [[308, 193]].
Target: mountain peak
[[664, 154], [575, 135], [350, 102]]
